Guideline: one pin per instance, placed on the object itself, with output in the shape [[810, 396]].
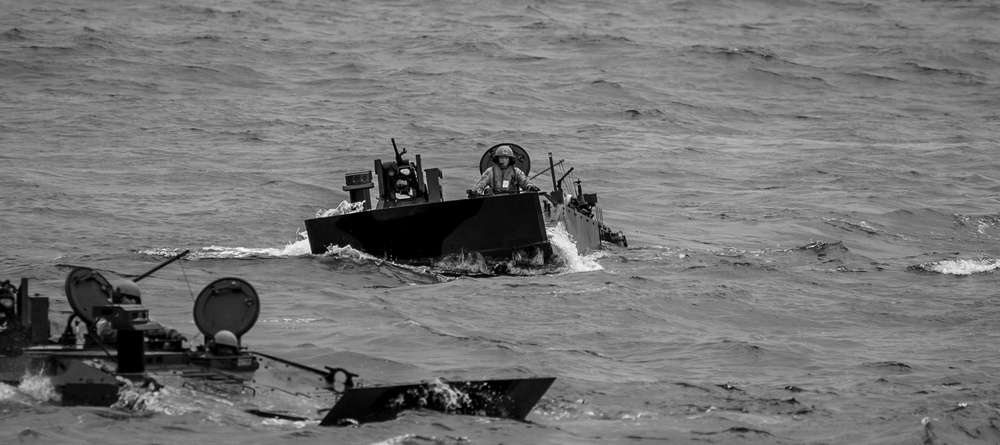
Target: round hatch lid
[[86, 289], [228, 304], [521, 158]]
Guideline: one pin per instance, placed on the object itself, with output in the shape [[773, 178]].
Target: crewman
[[126, 292], [13, 336], [224, 344], [503, 176], [8, 315]]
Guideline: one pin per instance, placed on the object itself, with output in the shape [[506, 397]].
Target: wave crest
[[958, 267]]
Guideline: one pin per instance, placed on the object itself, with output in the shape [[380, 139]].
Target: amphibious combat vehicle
[[110, 351], [409, 219]]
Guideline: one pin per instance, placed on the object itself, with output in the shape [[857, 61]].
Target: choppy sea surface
[[809, 189]]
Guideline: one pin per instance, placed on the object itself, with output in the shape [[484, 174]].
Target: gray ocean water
[[809, 189]]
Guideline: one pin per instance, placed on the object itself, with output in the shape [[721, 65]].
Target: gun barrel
[[162, 265]]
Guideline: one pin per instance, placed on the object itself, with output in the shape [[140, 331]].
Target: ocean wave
[[851, 226], [958, 267], [980, 224]]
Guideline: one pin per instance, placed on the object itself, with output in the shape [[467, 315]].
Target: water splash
[[466, 263], [176, 399], [450, 397], [136, 398], [33, 386], [342, 209], [299, 247], [348, 252], [293, 249], [565, 259], [7, 392], [564, 249], [398, 440]]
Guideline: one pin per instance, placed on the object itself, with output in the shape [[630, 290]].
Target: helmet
[[226, 338], [126, 289], [503, 150]]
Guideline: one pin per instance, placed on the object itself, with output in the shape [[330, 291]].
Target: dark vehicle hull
[[508, 399], [494, 226]]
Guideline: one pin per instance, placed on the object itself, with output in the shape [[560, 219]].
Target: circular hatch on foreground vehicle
[[228, 304], [86, 289]]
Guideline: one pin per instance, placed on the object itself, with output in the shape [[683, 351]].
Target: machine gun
[[400, 182]]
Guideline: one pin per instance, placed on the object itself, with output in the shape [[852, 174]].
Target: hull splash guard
[[509, 399], [493, 226]]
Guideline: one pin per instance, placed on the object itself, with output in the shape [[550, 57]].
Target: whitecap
[[963, 267]]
